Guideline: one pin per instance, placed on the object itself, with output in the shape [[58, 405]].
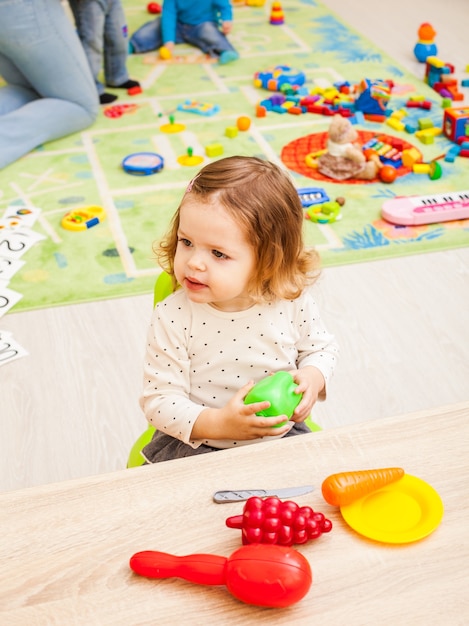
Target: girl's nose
[[196, 261]]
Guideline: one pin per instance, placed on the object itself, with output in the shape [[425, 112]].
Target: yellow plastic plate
[[402, 512]]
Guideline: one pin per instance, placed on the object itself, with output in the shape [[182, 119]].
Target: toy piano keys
[[432, 209]]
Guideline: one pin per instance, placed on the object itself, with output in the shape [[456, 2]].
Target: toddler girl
[[242, 310]]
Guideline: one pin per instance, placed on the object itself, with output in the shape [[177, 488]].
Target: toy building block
[[231, 131], [214, 150], [133, 91], [410, 157], [410, 127], [399, 114], [419, 104], [456, 122], [453, 152], [395, 123], [421, 168], [261, 111], [425, 122]]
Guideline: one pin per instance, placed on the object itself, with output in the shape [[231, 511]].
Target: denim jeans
[[50, 92], [102, 29], [205, 36]]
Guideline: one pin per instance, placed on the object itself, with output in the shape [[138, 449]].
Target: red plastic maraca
[[259, 574]]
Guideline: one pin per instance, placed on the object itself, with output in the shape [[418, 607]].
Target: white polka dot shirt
[[198, 356]]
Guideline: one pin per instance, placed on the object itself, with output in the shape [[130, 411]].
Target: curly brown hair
[[262, 199]]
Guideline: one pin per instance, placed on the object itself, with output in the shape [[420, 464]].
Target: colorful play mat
[[110, 253]]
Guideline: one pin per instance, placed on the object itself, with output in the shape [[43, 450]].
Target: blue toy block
[[359, 118], [411, 128]]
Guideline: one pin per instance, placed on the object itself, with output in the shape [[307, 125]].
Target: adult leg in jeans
[[50, 91]]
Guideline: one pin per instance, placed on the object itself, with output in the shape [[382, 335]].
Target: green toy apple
[[279, 390]]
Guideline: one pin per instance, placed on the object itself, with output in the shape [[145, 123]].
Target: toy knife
[[243, 494]]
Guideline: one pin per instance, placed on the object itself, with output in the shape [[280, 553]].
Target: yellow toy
[[82, 219]]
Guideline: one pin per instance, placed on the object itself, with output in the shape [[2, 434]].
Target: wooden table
[[64, 548]]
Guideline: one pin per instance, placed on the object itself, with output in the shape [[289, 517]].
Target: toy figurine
[[344, 158], [425, 46]]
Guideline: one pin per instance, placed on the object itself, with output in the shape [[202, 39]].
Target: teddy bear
[[344, 157]]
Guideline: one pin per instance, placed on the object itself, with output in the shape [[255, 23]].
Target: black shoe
[[127, 85], [107, 98]]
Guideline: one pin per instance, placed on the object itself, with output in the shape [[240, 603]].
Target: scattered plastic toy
[[243, 123], [312, 195], [262, 575], [143, 163], [345, 487], [190, 159], [431, 209], [172, 127], [118, 110], [277, 16], [200, 108], [272, 521], [425, 46], [83, 218], [387, 174], [154, 8], [275, 78], [325, 213]]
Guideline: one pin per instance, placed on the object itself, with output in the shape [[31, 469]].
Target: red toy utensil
[[263, 575]]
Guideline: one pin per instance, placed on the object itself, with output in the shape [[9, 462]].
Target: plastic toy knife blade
[[243, 494]]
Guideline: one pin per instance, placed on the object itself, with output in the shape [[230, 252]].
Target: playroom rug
[[199, 101]]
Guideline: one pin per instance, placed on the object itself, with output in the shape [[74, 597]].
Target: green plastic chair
[[163, 288]]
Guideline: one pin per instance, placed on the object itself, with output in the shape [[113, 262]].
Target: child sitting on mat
[[102, 29], [243, 310], [203, 24]]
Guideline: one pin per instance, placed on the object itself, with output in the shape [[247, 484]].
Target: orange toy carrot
[[343, 488]]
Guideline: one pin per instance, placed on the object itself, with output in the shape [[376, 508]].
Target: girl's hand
[[238, 421], [310, 383]]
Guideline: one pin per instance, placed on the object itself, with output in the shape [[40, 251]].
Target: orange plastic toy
[[346, 487]]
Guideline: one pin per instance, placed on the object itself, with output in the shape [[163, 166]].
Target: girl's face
[[214, 261]]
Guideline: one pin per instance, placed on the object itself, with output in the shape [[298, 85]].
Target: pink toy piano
[[417, 210]]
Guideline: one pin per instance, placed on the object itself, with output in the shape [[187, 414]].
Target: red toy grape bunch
[[272, 521]]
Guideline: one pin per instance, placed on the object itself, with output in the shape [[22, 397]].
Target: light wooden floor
[[70, 408]]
